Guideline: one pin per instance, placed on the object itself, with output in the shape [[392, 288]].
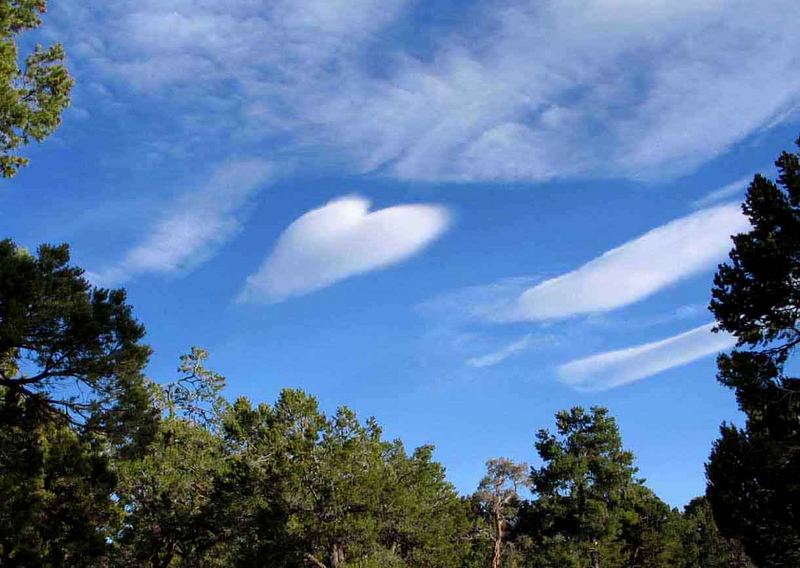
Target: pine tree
[[32, 97], [752, 471], [582, 486]]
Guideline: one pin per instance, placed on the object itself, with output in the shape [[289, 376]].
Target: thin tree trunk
[[498, 543], [312, 560], [337, 556], [595, 556]]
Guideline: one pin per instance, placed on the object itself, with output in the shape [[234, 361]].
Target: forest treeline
[[101, 466]]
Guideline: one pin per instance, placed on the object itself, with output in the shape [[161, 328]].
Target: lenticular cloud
[[635, 270], [615, 368], [340, 240]]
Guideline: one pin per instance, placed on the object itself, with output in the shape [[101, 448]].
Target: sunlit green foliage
[[128, 472], [33, 94], [345, 496]]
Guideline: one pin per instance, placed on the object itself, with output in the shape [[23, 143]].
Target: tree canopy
[[101, 466], [71, 349]]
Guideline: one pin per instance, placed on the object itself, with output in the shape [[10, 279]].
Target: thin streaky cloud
[[196, 225], [615, 368], [343, 239], [512, 349], [635, 270], [724, 193], [477, 303]]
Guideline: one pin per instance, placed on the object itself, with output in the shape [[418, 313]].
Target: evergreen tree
[[649, 530], [752, 472], [72, 398], [168, 491], [582, 485], [33, 96], [56, 487], [703, 544], [71, 349], [329, 491]]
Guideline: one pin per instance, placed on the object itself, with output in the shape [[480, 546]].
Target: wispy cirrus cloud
[[634, 270], [343, 239], [624, 88], [176, 43], [615, 368], [617, 278], [196, 225], [724, 193], [510, 350]]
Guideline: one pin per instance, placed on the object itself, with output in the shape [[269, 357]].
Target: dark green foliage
[[167, 492], [426, 524], [703, 544], [102, 467], [755, 295], [71, 399], [70, 348], [584, 482], [754, 495], [591, 509], [253, 512], [649, 530], [33, 96], [55, 492], [281, 485], [752, 472], [285, 485]]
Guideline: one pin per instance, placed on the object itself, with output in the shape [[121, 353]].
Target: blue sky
[[459, 217]]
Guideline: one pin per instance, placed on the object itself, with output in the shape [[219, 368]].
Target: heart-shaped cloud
[[342, 239]]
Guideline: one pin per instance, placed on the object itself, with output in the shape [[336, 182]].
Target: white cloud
[[538, 90], [510, 350], [723, 193], [196, 225], [635, 270], [340, 240], [615, 368], [278, 43], [475, 303], [620, 89]]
